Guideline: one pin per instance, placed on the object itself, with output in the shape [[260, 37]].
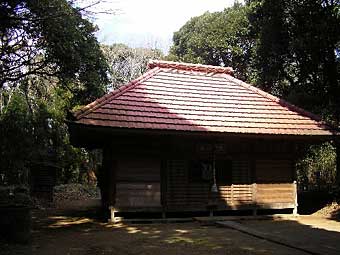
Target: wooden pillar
[[163, 178], [254, 191], [253, 181], [102, 180], [296, 155], [107, 179], [112, 214], [295, 212]]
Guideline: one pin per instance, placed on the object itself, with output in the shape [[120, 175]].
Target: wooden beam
[[96, 136]]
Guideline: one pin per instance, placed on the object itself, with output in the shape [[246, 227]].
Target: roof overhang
[[91, 136]]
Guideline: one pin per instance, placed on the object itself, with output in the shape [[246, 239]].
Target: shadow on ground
[[84, 232], [57, 233], [316, 234]]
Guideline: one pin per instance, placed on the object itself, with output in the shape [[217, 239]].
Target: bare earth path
[[57, 233]]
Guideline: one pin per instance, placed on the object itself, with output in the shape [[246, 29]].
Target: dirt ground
[[71, 232], [59, 233], [318, 234]]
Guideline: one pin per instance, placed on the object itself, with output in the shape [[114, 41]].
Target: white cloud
[[151, 23]]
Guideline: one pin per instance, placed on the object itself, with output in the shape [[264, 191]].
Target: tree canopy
[[289, 48], [297, 52], [50, 61], [50, 38], [219, 38], [126, 64]]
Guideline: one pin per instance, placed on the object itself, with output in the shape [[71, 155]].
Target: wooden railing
[[235, 194], [280, 195]]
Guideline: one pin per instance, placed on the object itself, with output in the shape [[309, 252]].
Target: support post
[[112, 214], [163, 174], [295, 211], [232, 194], [107, 179], [254, 191]]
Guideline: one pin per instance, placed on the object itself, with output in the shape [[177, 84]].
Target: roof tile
[[189, 97]]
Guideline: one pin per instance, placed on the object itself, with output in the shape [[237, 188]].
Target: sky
[[150, 23]]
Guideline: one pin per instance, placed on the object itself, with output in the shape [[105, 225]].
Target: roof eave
[[75, 127]]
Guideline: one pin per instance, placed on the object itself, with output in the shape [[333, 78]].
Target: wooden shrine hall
[[188, 137]]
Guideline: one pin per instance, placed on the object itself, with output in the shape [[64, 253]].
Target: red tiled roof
[[189, 97]]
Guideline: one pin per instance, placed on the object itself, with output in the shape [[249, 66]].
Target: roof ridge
[[116, 93], [190, 67], [276, 99]]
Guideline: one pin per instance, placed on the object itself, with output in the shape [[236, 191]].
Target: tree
[[317, 168], [127, 63], [219, 38], [50, 38], [297, 57], [50, 62], [297, 52], [33, 130]]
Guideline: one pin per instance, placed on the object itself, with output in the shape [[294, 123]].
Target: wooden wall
[[274, 170], [138, 182], [154, 174], [274, 178], [267, 192]]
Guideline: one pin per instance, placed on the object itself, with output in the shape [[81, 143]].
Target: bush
[[317, 170]]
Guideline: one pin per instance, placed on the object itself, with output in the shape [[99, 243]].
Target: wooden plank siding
[[275, 193], [241, 173], [138, 183], [155, 175], [274, 171], [182, 194]]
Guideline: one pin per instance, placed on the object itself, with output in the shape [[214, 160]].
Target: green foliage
[[219, 38], [126, 64], [318, 168], [50, 38], [35, 134], [32, 120], [296, 55], [15, 130], [50, 62]]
